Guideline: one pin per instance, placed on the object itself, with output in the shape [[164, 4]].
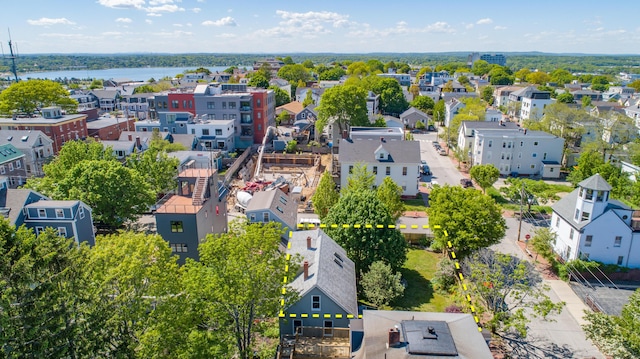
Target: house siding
[[303, 306], [188, 236]]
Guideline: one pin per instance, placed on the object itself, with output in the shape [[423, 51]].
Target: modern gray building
[[325, 283], [273, 206], [199, 208]]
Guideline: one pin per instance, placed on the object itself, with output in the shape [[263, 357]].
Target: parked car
[[442, 152], [435, 143], [466, 183], [424, 168]]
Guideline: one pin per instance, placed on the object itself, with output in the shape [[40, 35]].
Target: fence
[[237, 164]]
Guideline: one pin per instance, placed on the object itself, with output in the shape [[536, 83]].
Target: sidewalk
[[574, 304]]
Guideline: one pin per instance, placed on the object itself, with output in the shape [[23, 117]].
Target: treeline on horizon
[[583, 63]]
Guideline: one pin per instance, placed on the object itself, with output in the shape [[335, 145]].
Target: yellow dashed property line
[[358, 225], [465, 288]]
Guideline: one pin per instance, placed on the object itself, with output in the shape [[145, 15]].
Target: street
[[443, 169]]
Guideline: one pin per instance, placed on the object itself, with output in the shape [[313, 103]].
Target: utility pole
[[12, 57], [521, 214]]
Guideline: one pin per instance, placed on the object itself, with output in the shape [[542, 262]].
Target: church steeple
[[593, 197]]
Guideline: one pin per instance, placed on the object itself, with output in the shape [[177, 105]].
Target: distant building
[[273, 206], [35, 145], [12, 165], [498, 59]]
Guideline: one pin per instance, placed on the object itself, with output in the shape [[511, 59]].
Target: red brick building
[[182, 102], [60, 128], [110, 128], [263, 112]]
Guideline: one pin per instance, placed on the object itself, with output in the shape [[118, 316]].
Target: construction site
[[295, 174]]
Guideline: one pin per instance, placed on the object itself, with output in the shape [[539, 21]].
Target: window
[[211, 105], [599, 195], [265, 217], [258, 103], [18, 164], [175, 104], [557, 222], [218, 132], [232, 105], [39, 230], [577, 214], [521, 143], [535, 143], [176, 227], [504, 144], [205, 132], [59, 213], [328, 328], [587, 242], [62, 231], [404, 171], [490, 143], [350, 169], [620, 260], [2, 169], [388, 171], [224, 105], [81, 212], [544, 156], [315, 302], [375, 170], [178, 247], [42, 213], [381, 155], [585, 216], [184, 103], [253, 217], [10, 166], [279, 209], [534, 155], [533, 167], [589, 195], [618, 241], [297, 326], [571, 233]]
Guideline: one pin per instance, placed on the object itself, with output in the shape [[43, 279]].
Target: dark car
[[465, 183]]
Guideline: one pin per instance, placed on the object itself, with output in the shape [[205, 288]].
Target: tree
[[565, 97], [282, 97], [389, 194], [381, 285], [500, 76], [481, 67], [114, 192], [239, 279], [522, 74], [484, 175], [284, 116], [392, 100], [291, 146], [423, 103], [358, 69], [616, 336], [157, 143], [326, 195], [539, 190], [345, 105], [439, 112], [510, 289], [376, 65], [471, 219], [333, 74], [538, 77], [27, 97], [543, 241], [294, 73], [635, 84], [487, 94], [561, 76], [259, 80], [308, 99], [366, 245], [600, 83], [414, 90], [157, 169], [359, 179], [586, 101], [308, 64], [289, 61]]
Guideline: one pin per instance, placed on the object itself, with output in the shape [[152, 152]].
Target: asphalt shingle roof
[[364, 151], [595, 182]]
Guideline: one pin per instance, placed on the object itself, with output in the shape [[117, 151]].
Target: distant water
[[135, 74]]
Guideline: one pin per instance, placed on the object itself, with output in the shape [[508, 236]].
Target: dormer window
[[589, 195], [42, 213], [59, 213], [381, 156]]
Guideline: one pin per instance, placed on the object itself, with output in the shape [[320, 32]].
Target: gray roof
[[186, 140], [22, 138], [467, 340], [52, 204], [39, 120], [364, 151], [566, 206], [279, 203], [112, 94], [595, 182], [15, 200], [412, 112], [330, 270], [103, 122], [119, 145], [477, 125]]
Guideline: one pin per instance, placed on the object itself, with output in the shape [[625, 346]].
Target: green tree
[[203, 70], [333, 74], [284, 116], [288, 60], [325, 196], [380, 285], [308, 64], [423, 103], [586, 101], [157, 169], [358, 69], [481, 67], [538, 77], [616, 336], [522, 74], [230, 70], [308, 99], [487, 94], [510, 289], [292, 146], [239, 279], [500, 76], [484, 175], [294, 73], [561, 76], [600, 83], [26, 97], [345, 105], [471, 219], [635, 84], [389, 194], [114, 192], [282, 97], [376, 66], [157, 143], [565, 97], [392, 100], [542, 242], [259, 80], [439, 112], [359, 179], [366, 245]]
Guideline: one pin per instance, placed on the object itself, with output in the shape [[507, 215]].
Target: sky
[[346, 26]]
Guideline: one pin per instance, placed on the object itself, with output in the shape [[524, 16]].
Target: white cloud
[[315, 17], [498, 27], [226, 36], [189, 24], [164, 8], [439, 26], [45, 21], [196, 10], [468, 26], [122, 4], [149, 21], [225, 21], [177, 25], [173, 34], [485, 21], [600, 28], [154, 14], [70, 36], [124, 19], [160, 2], [111, 33]]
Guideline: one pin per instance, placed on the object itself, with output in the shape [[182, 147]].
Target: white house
[[493, 115], [534, 103], [399, 160], [519, 151], [373, 103], [467, 131], [214, 134], [452, 107], [590, 225]]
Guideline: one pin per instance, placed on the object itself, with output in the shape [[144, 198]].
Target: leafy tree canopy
[[346, 105], [484, 175], [566, 97], [294, 73], [259, 80], [381, 285], [27, 97], [423, 103], [325, 196], [282, 97], [389, 194]]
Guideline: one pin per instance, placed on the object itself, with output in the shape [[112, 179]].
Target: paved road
[[443, 169]]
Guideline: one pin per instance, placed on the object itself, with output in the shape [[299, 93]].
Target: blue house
[[72, 219], [273, 206], [326, 284]]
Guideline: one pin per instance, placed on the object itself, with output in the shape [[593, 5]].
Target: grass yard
[[414, 205], [419, 295]]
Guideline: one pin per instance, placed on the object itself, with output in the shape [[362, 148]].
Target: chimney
[[305, 269], [309, 242], [130, 137], [394, 337], [138, 144]]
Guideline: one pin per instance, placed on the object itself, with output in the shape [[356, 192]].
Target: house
[[399, 160], [213, 134], [519, 151], [124, 148], [72, 219], [107, 99], [630, 169], [199, 208], [280, 83], [467, 131], [493, 115], [53, 123], [135, 105], [35, 145], [108, 128], [326, 287], [618, 93], [273, 206], [189, 141], [292, 108], [589, 225], [429, 81], [498, 59], [452, 107], [12, 165], [418, 335], [534, 103], [403, 79], [412, 116], [578, 95], [316, 94], [376, 133], [501, 94], [373, 103]]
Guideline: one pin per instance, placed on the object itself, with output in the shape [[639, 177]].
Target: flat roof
[[39, 120], [179, 204]]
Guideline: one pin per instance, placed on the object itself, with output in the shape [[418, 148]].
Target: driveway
[[443, 170]]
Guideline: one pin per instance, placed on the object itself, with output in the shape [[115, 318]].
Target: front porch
[[316, 343]]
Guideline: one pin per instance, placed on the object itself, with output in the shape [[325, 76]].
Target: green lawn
[[414, 205], [419, 295]]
